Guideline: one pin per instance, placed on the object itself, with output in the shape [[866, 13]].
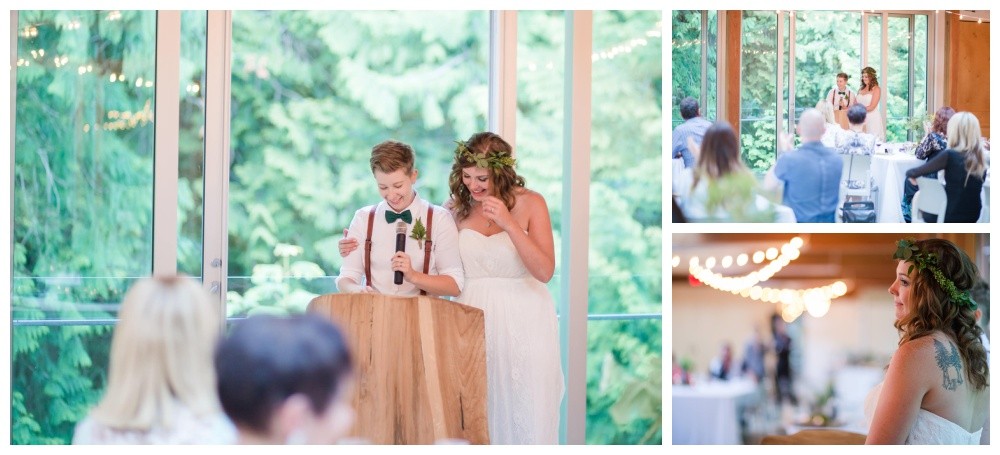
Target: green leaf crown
[[908, 252], [491, 160]]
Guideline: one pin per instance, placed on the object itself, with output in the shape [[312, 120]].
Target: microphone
[[400, 246]]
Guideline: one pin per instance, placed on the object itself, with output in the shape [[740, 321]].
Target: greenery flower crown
[[494, 160], [907, 251]]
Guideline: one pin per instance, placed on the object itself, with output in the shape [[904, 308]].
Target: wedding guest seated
[[722, 187], [810, 174], [161, 384], [935, 141], [964, 170], [286, 380], [854, 140], [694, 127]]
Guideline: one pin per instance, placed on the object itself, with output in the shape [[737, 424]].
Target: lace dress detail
[[523, 370], [929, 428]]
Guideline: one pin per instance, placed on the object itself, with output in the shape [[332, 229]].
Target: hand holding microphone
[[399, 260]]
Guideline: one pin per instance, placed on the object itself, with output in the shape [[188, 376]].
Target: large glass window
[[694, 59], [83, 202], [312, 92], [625, 230], [191, 143], [541, 66], [758, 89]]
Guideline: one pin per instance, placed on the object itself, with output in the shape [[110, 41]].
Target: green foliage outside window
[[82, 204]]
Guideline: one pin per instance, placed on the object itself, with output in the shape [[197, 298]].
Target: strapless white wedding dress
[[929, 428], [524, 376], [873, 120]]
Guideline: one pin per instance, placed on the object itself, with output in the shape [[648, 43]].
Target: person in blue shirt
[[694, 126], [810, 174]]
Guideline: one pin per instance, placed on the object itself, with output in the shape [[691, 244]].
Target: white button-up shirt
[[445, 258]]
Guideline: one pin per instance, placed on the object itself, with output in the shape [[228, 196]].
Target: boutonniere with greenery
[[419, 232]]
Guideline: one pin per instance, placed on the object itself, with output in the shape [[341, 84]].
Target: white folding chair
[[930, 198]]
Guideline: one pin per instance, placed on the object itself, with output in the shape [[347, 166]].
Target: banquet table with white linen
[[889, 170], [709, 413]]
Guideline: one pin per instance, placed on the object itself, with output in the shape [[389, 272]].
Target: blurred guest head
[[856, 114], [825, 108], [941, 118], [965, 136], [689, 108], [286, 380], [932, 293], [161, 355], [811, 125], [720, 154]]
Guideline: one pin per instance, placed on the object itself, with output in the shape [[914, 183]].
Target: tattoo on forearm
[[950, 364]]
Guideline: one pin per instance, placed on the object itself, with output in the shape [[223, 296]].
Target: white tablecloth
[[708, 413], [889, 171]]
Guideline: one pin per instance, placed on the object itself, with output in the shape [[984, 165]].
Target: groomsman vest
[[427, 243]]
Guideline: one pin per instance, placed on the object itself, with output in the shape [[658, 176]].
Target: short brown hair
[[391, 156], [843, 75]]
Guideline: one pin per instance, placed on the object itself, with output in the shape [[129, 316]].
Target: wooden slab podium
[[420, 365]]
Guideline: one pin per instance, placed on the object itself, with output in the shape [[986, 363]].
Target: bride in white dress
[[936, 388], [505, 239], [869, 97]]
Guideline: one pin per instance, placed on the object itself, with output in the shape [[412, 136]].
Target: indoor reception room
[[339, 227], [787, 338], [832, 116]]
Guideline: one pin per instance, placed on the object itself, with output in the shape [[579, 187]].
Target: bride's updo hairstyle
[[489, 151], [942, 276]]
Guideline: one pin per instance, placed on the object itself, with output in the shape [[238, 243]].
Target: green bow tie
[[391, 216]]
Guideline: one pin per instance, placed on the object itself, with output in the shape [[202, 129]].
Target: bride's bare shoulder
[[530, 199]]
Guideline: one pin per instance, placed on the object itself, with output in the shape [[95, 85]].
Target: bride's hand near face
[[496, 211]]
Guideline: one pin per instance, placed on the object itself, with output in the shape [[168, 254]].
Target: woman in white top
[[936, 388], [869, 97], [161, 382]]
